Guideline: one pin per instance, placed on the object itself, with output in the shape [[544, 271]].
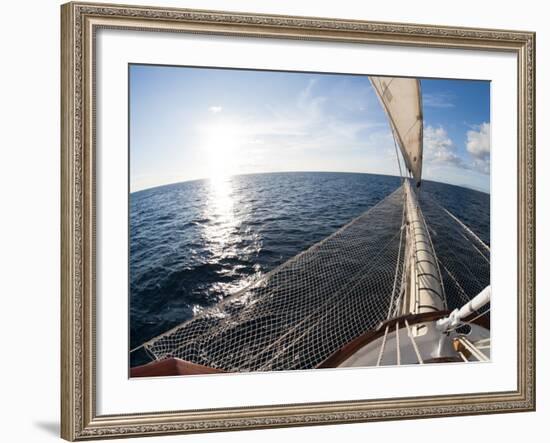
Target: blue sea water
[[194, 243]]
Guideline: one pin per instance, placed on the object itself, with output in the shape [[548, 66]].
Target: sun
[[220, 146]]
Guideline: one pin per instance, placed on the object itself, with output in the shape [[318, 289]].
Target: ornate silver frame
[[79, 420]]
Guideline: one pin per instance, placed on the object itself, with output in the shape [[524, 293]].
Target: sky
[[192, 123]]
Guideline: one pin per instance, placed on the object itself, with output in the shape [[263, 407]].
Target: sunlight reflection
[[220, 232], [229, 245]]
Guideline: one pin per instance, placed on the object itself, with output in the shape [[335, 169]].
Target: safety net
[[303, 311]]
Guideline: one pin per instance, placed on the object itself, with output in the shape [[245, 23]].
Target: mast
[[422, 288]]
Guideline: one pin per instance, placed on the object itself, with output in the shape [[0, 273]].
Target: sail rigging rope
[[396, 151], [413, 341], [469, 322], [466, 228], [383, 346], [397, 263]]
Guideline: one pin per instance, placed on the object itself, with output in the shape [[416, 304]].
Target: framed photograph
[[281, 221]]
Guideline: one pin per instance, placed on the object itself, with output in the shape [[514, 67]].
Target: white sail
[[402, 101]]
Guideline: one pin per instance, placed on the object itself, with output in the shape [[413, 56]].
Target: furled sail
[[402, 101]]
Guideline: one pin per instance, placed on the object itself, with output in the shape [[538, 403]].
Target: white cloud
[[439, 148], [478, 145], [441, 100], [284, 137], [308, 123], [215, 109]]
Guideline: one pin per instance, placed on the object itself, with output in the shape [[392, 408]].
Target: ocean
[[194, 243]]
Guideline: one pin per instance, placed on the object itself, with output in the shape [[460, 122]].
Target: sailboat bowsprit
[[390, 287]]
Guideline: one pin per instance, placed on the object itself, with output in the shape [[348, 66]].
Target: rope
[[479, 316], [137, 347], [469, 322], [398, 348], [397, 264], [413, 341], [466, 228], [473, 350], [396, 151], [383, 346]]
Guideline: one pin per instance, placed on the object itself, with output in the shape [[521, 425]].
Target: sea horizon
[[464, 186]]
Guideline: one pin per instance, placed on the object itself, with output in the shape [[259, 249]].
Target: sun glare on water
[[220, 151]]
